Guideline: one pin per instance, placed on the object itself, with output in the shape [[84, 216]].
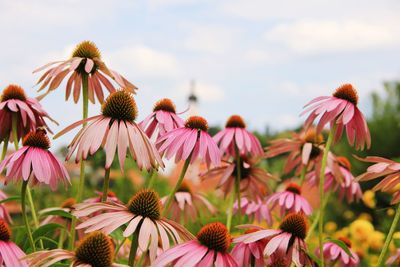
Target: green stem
[[33, 212], [321, 192], [106, 185], [230, 211], [151, 177], [24, 216], [178, 184], [389, 236], [85, 109], [303, 174], [61, 240], [237, 181], [134, 247], [5, 147]]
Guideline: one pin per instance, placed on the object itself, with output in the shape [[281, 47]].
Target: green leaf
[[45, 229], [12, 198], [341, 244], [314, 258], [60, 213]]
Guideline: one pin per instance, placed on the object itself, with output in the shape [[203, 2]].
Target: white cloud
[[210, 39], [321, 36], [144, 61]]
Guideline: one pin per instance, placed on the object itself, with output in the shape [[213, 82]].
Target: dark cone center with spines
[[86, 49], [146, 203], [295, 224], [165, 104], [215, 236], [294, 188], [346, 241], [5, 231], [37, 138], [244, 172], [120, 105], [235, 121], [311, 136], [95, 249], [13, 91], [197, 122], [347, 92], [184, 188]]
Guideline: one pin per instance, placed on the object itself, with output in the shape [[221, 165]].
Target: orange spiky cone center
[[215, 236]]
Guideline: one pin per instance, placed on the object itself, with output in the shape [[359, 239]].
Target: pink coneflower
[[250, 254], [95, 249], [386, 168], [162, 120], [289, 239], [336, 254], [27, 112], [114, 129], [339, 177], [255, 209], [10, 253], [4, 214], [34, 162], [235, 136], [143, 216], [84, 62], [340, 110], [253, 180], [188, 204], [394, 259], [209, 249], [290, 200], [304, 150], [191, 140]]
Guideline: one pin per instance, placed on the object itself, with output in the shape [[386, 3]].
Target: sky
[[261, 59]]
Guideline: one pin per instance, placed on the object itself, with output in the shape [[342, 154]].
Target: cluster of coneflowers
[[151, 226]]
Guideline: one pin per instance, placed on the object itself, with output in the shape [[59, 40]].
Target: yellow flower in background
[[348, 214], [390, 212], [360, 229], [376, 240], [365, 216], [330, 227], [369, 199]]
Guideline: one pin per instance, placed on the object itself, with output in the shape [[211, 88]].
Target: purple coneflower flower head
[[336, 254], [386, 168], [28, 112], [115, 129], [338, 177], [85, 60], [340, 110], [95, 249], [142, 215], [34, 162], [10, 253], [192, 140], [236, 136], [162, 120], [288, 239], [111, 197], [247, 254], [188, 204], [304, 150], [210, 248], [290, 200], [256, 209]]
